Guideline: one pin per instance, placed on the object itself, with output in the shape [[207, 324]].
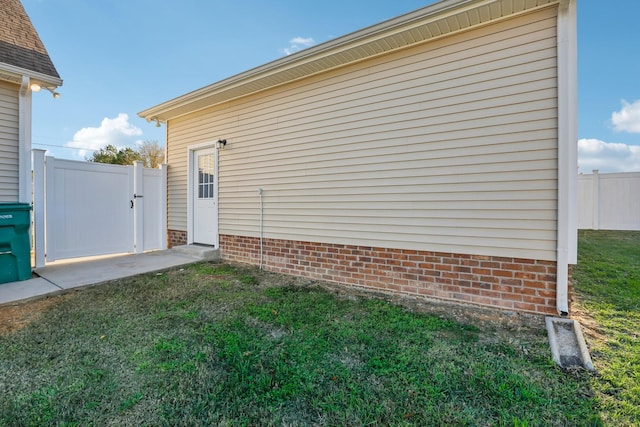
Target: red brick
[[461, 297], [502, 273], [502, 288], [483, 300], [511, 282], [393, 287], [522, 306], [547, 294], [534, 300], [410, 289], [490, 279], [525, 275], [482, 285], [426, 291], [536, 268], [511, 297], [534, 284], [426, 266]]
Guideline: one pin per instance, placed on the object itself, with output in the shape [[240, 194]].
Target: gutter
[[567, 246], [34, 76]]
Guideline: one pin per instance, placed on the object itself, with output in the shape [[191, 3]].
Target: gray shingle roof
[[20, 44]]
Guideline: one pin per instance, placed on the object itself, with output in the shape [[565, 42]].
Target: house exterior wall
[[446, 148], [9, 142]]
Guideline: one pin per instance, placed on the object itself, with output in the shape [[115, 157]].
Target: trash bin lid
[[15, 207]]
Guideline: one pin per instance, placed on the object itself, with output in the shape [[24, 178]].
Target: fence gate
[[86, 209]]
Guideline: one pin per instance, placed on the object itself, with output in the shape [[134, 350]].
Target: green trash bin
[[15, 250]]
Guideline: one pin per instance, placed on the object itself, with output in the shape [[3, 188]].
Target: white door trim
[[191, 186]]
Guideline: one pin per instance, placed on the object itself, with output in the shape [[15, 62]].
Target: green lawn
[[214, 344], [607, 281]]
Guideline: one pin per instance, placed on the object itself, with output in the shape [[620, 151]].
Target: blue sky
[[118, 57]]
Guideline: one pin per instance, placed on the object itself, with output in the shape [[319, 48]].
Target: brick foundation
[[176, 238], [508, 283]]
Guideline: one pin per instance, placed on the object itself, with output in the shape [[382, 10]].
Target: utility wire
[[62, 146]]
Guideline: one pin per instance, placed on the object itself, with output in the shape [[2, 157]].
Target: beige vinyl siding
[[8, 142], [449, 146]]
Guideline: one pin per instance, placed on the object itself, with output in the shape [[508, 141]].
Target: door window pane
[[206, 170]]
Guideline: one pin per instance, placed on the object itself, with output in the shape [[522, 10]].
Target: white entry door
[[205, 197]]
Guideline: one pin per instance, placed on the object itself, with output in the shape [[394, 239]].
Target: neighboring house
[[433, 154], [25, 66]]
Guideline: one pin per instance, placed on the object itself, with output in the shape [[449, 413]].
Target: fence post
[[138, 206], [163, 203], [595, 183], [50, 199], [38, 207]]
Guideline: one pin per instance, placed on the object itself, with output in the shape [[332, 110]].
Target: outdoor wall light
[[154, 119], [35, 87], [221, 143]]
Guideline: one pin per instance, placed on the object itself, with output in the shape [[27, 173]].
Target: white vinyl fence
[[86, 209], [609, 201]]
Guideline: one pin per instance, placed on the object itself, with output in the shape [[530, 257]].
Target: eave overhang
[[13, 74], [429, 23]]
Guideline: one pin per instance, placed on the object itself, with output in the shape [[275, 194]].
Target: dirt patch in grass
[[16, 316]]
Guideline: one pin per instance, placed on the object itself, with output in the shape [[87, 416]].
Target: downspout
[[24, 142], [567, 150], [166, 142], [261, 226]]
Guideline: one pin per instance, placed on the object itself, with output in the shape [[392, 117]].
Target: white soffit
[[440, 19]]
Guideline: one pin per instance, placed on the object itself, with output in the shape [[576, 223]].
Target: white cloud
[[627, 119], [607, 156], [117, 132], [298, 43]]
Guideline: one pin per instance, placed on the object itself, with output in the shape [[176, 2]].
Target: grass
[[607, 280], [214, 344]]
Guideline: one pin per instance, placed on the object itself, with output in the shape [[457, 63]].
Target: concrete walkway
[[64, 275]]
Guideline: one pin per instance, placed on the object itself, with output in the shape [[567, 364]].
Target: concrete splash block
[[568, 348]]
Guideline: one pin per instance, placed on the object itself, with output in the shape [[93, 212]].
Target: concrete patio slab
[[27, 289], [69, 274]]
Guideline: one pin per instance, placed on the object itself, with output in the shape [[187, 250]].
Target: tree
[[150, 153], [111, 155]]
